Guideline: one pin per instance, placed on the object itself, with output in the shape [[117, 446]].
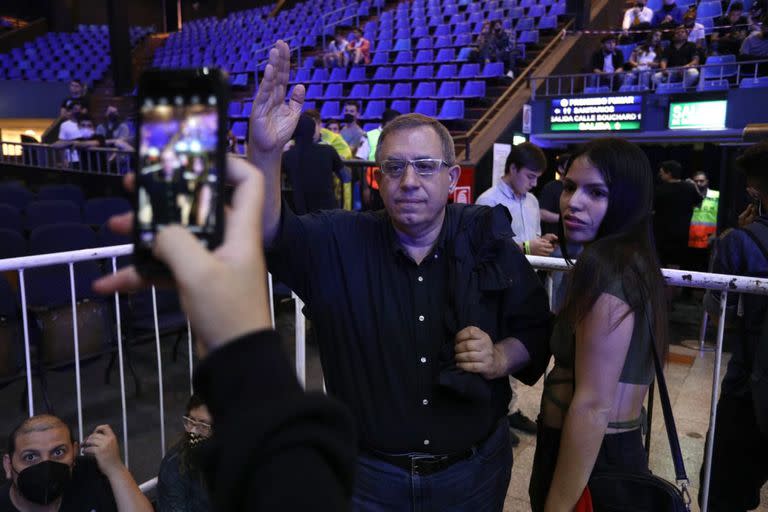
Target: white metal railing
[[91, 160], [724, 283]]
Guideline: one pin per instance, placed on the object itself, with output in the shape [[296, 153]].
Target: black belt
[[423, 464]]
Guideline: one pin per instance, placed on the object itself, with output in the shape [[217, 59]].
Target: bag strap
[[753, 230], [669, 418]]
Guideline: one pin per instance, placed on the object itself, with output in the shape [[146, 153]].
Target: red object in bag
[[585, 502]]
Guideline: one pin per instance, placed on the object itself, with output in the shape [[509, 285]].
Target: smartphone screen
[[178, 176]]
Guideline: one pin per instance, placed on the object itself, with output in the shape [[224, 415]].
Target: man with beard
[[45, 474]]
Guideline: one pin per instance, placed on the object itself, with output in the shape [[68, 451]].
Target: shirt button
[[421, 279], [425, 402], [421, 318], [423, 359], [426, 442]]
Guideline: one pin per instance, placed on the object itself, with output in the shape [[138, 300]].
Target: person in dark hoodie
[[310, 167]]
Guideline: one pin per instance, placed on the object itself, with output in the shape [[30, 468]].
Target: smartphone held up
[[181, 170]]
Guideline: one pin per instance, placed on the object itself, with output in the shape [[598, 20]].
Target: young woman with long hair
[[614, 309]]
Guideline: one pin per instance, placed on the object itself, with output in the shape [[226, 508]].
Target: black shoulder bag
[[633, 492]]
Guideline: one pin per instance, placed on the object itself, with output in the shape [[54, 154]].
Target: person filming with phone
[[46, 474]]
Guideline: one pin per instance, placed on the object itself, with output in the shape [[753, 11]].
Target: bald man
[[46, 474]]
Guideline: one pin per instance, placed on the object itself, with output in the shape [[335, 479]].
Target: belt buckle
[[427, 465]]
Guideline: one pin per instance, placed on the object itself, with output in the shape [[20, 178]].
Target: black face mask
[[196, 446], [113, 118], [45, 482], [349, 118]]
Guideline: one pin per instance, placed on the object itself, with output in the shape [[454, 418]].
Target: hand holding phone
[[181, 159]]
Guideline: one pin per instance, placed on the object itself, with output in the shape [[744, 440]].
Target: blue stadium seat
[[359, 91], [383, 73], [402, 45], [537, 11], [492, 69], [98, 210], [426, 107], [446, 55], [402, 106], [401, 90], [314, 91], [338, 75], [752, 83], [470, 70], [356, 74], [403, 73], [424, 43], [548, 23], [425, 72], [524, 24], [446, 71], [404, 57], [374, 109], [330, 110], [302, 76], [633, 88], [443, 30], [240, 128], [424, 57], [380, 91], [528, 37], [464, 54], [449, 90], [473, 89], [603, 89], [425, 90], [234, 109], [713, 70], [380, 58], [247, 107], [320, 75], [333, 91], [709, 9], [384, 45]]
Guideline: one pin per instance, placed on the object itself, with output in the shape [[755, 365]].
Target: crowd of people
[[671, 44], [418, 354], [352, 49]]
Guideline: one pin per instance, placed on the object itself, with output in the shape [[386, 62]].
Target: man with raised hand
[[421, 310]]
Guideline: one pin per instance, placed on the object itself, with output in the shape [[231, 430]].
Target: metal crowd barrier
[[91, 160], [572, 84], [724, 283]]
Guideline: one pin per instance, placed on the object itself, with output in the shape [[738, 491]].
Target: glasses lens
[[426, 166], [393, 167]]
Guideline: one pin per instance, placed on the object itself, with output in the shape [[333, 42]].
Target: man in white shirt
[[638, 17], [69, 131], [336, 54], [524, 166]]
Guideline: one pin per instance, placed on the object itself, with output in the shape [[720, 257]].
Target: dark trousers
[[477, 484], [619, 452], [739, 457]]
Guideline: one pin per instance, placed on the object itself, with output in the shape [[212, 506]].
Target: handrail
[[513, 88], [537, 81], [90, 160]]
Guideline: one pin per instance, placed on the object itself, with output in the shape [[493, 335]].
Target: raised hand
[[272, 119]]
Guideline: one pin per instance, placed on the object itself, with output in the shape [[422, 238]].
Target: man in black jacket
[[276, 447], [608, 63], [421, 311]]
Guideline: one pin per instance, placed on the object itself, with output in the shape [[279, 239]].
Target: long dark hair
[[623, 250]]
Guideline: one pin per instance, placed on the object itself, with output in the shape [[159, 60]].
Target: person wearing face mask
[[45, 473], [180, 483], [352, 132], [740, 451], [669, 16], [114, 130], [637, 17]]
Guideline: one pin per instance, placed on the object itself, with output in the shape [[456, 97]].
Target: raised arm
[[271, 127]]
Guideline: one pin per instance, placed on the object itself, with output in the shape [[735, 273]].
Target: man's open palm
[[272, 119]]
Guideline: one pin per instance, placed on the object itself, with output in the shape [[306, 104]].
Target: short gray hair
[[412, 121]]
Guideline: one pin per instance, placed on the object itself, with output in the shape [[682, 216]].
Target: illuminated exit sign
[[698, 115]]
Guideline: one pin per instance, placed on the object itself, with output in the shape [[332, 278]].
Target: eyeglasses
[[199, 426], [422, 166]]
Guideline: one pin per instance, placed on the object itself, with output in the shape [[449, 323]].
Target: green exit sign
[[698, 115]]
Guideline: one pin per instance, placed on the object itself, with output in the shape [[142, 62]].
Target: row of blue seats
[[423, 72], [94, 212], [677, 87], [405, 20]]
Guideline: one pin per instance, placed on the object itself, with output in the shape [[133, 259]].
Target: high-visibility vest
[[373, 142], [704, 221]]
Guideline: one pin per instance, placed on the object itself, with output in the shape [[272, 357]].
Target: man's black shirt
[[383, 322], [677, 57], [673, 206], [89, 491]]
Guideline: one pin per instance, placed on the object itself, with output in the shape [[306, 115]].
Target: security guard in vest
[[367, 151]]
